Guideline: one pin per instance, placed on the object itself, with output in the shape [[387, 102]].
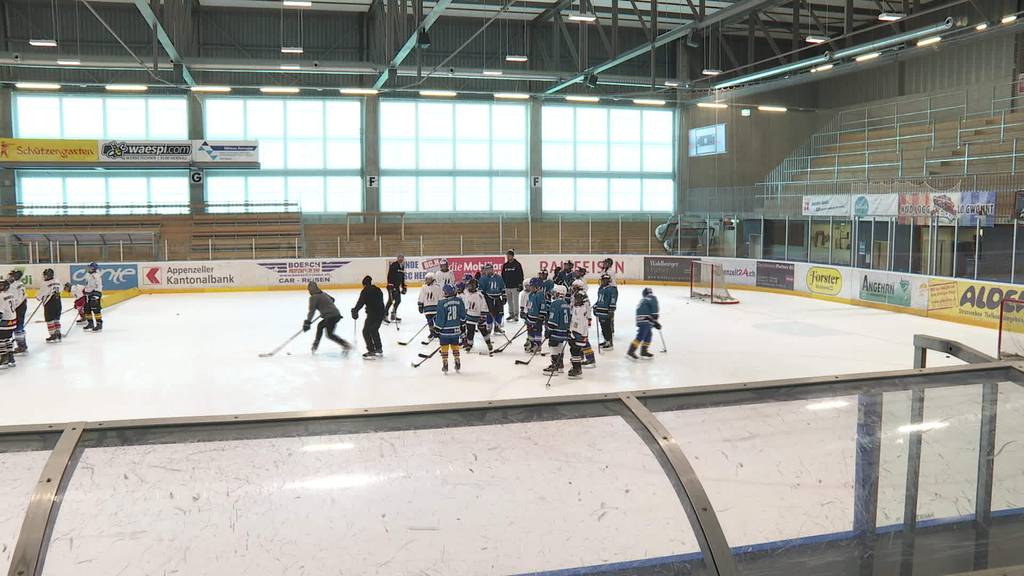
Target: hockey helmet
[[93, 267], [579, 285], [429, 278], [467, 277], [580, 272], [560, 290], [460, 286], [605, 279], [67, 286], [444, 265], [647, 292], [542, 274], [4, 284], [607, 262], [449, 290], [48, 274], [471, 285], [535, 283], [579, 298], [15, 274]]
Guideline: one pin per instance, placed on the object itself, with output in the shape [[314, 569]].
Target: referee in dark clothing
[[512, 276]]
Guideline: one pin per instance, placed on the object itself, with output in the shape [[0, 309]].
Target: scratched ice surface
[[495, 499], [19, 473]]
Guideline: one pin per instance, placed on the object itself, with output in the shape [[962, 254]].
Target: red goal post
[[707, 282], [1011, 329]]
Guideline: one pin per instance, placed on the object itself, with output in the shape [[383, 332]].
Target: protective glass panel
[[37, 117], [344, 194], [508, 194], [21, 465], [126, 118], [83, 118], [507, 497]]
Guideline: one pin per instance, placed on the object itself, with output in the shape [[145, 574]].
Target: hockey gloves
[[305, 325], [420, 306], [656, 324], [403, 288], [355, 314]]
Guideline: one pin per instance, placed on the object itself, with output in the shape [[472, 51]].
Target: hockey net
[[1011, 329], [707, 282]]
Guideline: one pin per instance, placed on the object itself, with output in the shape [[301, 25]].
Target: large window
[[601, 159], [92, 117], [77, 192], [310, 153], [445, 156]]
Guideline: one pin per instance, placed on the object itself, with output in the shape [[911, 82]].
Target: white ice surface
[[197, 354], [19, 474]]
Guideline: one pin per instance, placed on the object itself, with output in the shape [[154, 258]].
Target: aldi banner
[[969, 301], [115, 276]]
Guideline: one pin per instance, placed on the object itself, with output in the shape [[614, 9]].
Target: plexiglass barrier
[[913, 472]]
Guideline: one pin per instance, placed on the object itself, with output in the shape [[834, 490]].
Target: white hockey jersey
[[7, 314], [51, 288], [17, 291], [93, 282], [475, 305], [429, 295], [444, 278], [580, 319], [524, 302], [77, 291]]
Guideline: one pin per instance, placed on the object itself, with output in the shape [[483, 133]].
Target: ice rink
[[198, 354]]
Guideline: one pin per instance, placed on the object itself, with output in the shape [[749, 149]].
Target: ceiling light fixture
[[822, 68], [671, 83], [493, 73], [297, 3], [716, 105], [891, 16], [36, 86], [279, 90], [292, 50], [438, 93], [127, 87], [511, 96], [648, 102], [981, 27], [581, 17], [815, 39], [1005, 20], [516, 58], [772, 108], [359, 91], [868, 56], [290, 67], [711, 72], [216, 89], [929, 41], [43, 42], [585, 99], [68, 62]]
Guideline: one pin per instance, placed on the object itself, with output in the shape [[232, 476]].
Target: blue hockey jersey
[[559, 316], [492, 286], [647, 310], [607, 298], [451, 315], [536, 305]]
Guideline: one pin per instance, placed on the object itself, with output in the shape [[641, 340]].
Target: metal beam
[[728, 51], [165, 41], [768, 37], [411, 41], [736, 11], [555, 8], [564, 30]]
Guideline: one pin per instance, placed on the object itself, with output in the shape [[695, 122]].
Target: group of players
[[14, 308], [555, 309]]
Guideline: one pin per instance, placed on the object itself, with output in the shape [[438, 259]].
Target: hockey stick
[[501, 348], [286, 342], [532, 356], [664, 349], [425, 357], [38, 306], [62, 313], [407, 342], [560, 351]]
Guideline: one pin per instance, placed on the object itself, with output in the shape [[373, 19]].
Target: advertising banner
[[738, 272], [290, 272], [824, 280], [975, 206], [622, 266], [876, 205], [964, 300], [146, 151], [667, 269], [827, 205], [115, 276], [775, 275], [39, 151], [174, 276], [968, 207], [883, 288], [221, 153]]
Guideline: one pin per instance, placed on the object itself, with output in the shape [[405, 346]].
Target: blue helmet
[[449, 290], [536, 283], [647, 292], [460, 286], [467, 277]]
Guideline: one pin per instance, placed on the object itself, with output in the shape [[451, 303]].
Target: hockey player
[[475, 306], [78, 293], [494, 293], [17, 290], [646, 318], [450, 324], [396, 287], [604, 309], [93, 298], [579, 328], [559, 317], [49, 296], [607, 266], [320, 301], [579, 287], [8, 323], [563, 272], [535, 312], [373, 299], [444, 277], [430, 293]]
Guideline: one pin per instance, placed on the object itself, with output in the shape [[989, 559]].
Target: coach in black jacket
[[512, 276], [373, 299]]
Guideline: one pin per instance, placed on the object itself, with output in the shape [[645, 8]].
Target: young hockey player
[[559, 317], [564, 274], [93, 298], [607, 266], [604, 309], [450, 324], [547, 284], [579, 286], [49, 295], [579, 327], [494, 293], [8, 322], [430, 293], [17, 290], [396, 287], [78, 293], [320, 301], [536, 314], [444, 277], [646, 318], [475, 306], [373, 299]]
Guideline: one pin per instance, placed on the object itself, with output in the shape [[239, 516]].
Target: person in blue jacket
[[559, 315], [450, 323], [604, 309], [646, 318], [493, 289]]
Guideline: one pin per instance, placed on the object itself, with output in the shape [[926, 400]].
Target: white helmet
[[579, 284], [429, 277], [560, 290]]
